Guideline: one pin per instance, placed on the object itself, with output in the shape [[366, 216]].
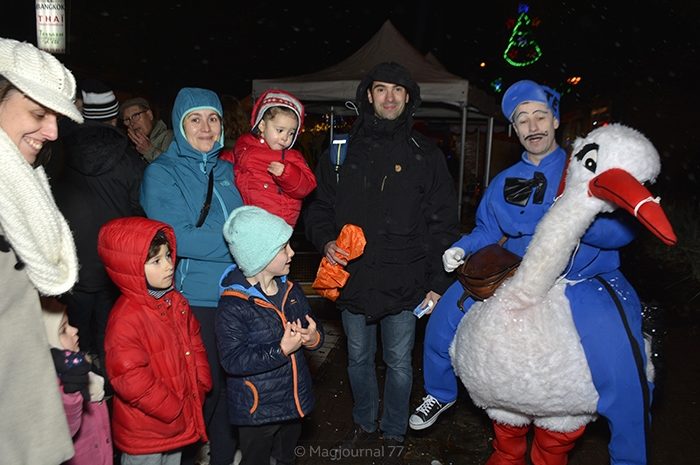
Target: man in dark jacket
[[395, 185], [99, 182]]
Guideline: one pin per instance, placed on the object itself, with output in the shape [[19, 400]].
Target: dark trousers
[[222, 439], [88, 312], [259, 443]]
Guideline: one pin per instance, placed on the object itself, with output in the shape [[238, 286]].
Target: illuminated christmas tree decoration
[[482, 64], [522, 49], [574, 80]]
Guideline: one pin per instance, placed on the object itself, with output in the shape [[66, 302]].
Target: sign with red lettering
[[51, 25]]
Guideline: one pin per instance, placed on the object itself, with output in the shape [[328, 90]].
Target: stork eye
[[588, 156]]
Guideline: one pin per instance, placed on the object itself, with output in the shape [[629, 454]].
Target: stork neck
[[556, 237]]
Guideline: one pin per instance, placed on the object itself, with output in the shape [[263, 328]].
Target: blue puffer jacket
[[173, 191], [264, 386]]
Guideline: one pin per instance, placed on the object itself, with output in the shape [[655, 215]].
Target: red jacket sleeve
[[297, 180]]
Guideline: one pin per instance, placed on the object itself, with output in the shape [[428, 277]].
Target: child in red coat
[[155, 357], [268, 172]]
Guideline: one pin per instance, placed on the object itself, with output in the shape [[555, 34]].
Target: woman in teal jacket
[[175, 190]]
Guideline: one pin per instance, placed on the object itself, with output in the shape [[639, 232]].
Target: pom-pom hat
[[254, 237], [276, 98], [40, 76], [529, 91]]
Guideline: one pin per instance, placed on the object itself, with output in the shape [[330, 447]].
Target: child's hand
[[309, 335], [276, 168], [291, 340]]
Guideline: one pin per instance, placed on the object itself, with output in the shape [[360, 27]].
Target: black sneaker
[[358, 438], [428, 412], [393, 450]]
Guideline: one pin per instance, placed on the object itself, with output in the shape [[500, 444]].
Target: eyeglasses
[[135, 117]]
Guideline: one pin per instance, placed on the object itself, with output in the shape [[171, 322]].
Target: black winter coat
[[395, 185], [100, 181], [263, 385]]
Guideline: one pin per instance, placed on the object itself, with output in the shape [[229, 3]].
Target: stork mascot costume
[[561, 341]]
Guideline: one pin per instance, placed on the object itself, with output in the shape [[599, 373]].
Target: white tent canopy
[[444, 95]]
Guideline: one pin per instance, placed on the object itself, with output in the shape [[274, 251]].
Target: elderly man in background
[[150, 136]]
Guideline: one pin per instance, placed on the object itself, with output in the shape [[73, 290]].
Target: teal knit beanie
[[254, 237]]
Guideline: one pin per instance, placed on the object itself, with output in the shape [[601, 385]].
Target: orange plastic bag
[[330, 277]]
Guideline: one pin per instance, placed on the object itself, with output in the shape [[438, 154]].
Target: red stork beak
[[622, 189]]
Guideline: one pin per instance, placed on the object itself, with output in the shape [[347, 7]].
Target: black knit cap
[[394, 73], [99, 101]]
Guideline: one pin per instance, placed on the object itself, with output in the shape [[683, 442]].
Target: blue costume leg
[[613, 361], [439, 378]]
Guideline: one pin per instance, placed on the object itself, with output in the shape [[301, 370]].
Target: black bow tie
[[517, 190]]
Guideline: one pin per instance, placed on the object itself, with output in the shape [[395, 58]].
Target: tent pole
[[462, 151], [489, 141]]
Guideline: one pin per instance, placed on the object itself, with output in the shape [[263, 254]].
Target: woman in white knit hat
[[37, 254]]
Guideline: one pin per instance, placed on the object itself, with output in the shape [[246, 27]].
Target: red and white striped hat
[[276, 98]]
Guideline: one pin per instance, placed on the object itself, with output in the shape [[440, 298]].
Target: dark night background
[[639, 58]]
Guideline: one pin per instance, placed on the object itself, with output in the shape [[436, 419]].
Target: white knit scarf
[[32, 223]]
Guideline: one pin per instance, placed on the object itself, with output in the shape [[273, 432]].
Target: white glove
[[452, 258], [96, 387]]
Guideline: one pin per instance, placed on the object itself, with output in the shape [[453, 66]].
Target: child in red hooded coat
[[268, 173], [155, 357]]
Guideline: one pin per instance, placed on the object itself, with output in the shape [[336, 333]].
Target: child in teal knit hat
[[262, 323]]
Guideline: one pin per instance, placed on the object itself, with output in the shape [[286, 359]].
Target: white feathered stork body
[[518, 353]]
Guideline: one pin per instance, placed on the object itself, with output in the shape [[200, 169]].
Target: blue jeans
[[398, 333]]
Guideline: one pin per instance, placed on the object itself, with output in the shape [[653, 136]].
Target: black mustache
[[539, 134]]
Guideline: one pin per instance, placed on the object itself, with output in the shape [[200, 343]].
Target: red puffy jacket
[[280, 195], [155, 357]]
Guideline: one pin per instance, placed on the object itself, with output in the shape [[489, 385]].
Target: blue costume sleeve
[[611, 230]]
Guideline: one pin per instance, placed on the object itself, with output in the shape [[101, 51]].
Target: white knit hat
[[52, 322], [40, 76], [99, 101]]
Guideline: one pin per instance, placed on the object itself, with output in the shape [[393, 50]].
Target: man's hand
[[452, 258], [140, 141], [276, 168], [433, 297], [335, 254]]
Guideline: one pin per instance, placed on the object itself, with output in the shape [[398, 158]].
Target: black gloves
[[72, 369]]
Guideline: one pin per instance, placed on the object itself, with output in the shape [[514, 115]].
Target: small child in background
[[267, 171], [262, 321], [82, 392], [155, 357]]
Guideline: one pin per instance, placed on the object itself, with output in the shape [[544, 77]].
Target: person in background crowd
[[189, 188], [37, 254], [236, 120], [394, 184], [150, 136], [101, 180]]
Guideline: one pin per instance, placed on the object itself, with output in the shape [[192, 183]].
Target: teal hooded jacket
[[173, 190]]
